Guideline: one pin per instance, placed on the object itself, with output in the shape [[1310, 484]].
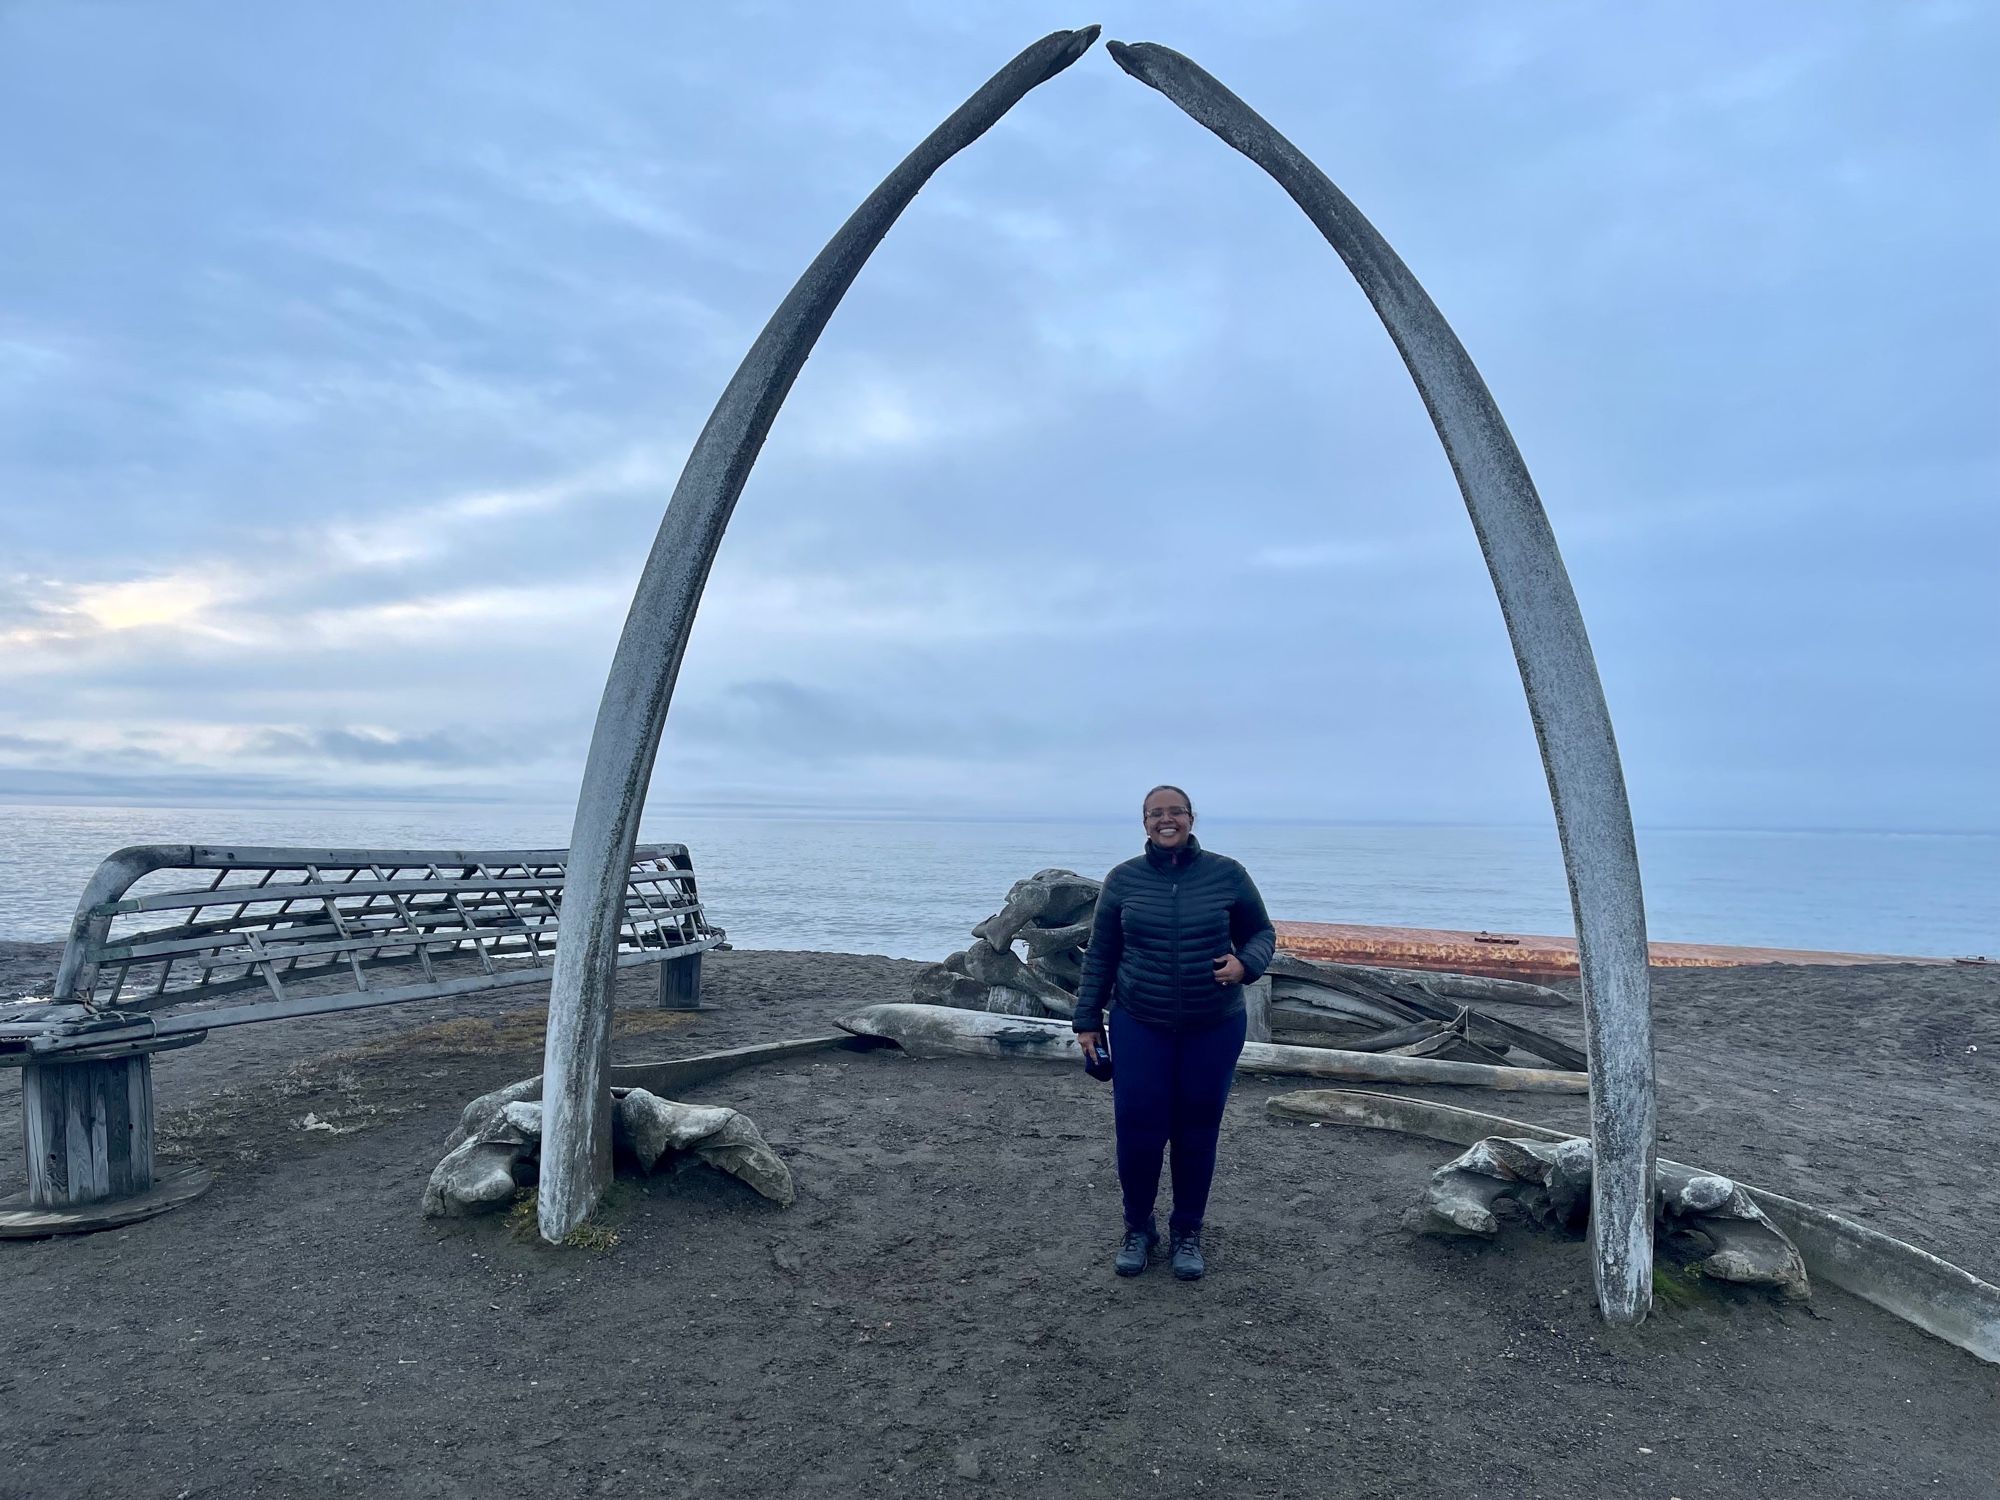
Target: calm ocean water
[[913, 889]]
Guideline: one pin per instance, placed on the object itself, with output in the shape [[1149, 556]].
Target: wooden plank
[[322, 1005], [86, 1048], [318, 889], [142, 947], [46, 1168], [141, 1112], [118, 1129], [247, 858], [77, 1128]]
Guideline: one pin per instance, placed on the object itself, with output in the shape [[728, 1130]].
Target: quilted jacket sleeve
[[1100, 959]]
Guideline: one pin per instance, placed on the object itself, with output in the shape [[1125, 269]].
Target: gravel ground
[[936, 1314]]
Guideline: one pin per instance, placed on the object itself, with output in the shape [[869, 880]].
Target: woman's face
[[1168, 818]]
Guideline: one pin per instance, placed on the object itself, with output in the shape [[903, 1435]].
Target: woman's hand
[[1092, 1043], [1229, 969]]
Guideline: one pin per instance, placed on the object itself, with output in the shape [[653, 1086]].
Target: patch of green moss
[[1678, 1287], [594, 1233]]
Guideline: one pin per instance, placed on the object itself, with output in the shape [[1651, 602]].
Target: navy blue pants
[[1168, 1088]]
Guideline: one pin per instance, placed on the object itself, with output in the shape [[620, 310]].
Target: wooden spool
[[89, 1129], [88, 1124]]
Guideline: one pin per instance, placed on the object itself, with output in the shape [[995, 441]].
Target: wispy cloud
[[337, 444]]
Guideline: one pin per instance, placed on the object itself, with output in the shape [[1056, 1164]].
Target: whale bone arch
[[1544, 624], [576, 1140]]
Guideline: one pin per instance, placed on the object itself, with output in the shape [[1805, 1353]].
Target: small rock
[[965, 1462]]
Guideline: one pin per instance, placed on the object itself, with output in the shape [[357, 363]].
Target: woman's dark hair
[[1167, 786]]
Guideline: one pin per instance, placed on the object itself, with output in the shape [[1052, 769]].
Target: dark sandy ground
[[936, 1314]]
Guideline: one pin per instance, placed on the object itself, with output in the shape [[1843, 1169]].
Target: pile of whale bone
[[496, 1149], [1548, 1183], [1351, 1007]]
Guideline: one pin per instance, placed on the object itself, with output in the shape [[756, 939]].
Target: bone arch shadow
[[1544, 624]]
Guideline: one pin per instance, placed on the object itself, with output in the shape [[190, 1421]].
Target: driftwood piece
[[1444, 985], [1304, 996], [939, 1031], [1342, 1040], [1922, 1289], [1312, 982], [1552, 650], [1401, 1036], [1332, 1029]]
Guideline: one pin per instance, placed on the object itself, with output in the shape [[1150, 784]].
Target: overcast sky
[[348, 355]]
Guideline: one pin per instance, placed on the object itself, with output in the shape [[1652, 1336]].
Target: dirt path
[[936, 1313]]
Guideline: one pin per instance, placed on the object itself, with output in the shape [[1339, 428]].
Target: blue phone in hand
[[1101, 1068]]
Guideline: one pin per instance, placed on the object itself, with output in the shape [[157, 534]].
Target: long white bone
[[946, 1031], [1565, 698], [576, 1141]]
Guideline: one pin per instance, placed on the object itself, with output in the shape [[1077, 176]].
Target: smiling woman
[[1177, 933]]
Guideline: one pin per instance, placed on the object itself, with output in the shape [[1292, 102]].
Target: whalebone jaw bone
[[496, 1149], [1552, 650], [625, 741], [1548, 1183]]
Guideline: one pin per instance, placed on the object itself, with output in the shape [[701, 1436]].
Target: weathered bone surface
[[1297, 1003], [1353, 988], [577, 1162], [1310, 998], [1459, 987], [496, 1148], [1912, 1284], [941, 1031], [1048, 898], [999, 967], [1549, 1183], [1552, 650]]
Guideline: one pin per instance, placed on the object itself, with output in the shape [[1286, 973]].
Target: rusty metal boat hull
[[1512, 955]]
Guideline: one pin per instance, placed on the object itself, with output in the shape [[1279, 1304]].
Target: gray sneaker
[[1185, 1256], [1136, 1253]]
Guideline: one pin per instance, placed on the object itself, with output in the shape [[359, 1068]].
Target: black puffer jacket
[[1162, 921]]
